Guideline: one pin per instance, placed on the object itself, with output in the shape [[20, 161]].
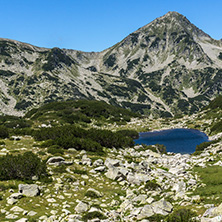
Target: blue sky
[[94, 25]]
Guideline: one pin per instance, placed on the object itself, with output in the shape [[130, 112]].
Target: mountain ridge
[[164, 68]]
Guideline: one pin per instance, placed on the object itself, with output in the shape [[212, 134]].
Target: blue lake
[[175, 140]]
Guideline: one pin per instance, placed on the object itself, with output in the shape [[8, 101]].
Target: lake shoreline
[[176, 140]]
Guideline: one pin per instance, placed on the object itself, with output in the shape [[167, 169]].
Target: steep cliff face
[[164, 68]]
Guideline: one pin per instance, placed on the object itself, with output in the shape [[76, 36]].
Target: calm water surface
[[175, 140]]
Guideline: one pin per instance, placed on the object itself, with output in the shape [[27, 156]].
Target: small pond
[[175, 140]]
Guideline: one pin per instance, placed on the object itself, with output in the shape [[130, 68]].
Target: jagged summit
[[167, 67]]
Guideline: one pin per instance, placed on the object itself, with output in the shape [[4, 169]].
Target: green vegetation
[[216, 103], [91, 140], [2, 143], [204, 145], [92, 215], [55, 149], [54, 57], [22, 167], [181, 215], [220, 56], [3, 132], [80, 111], [211, 176], [110, 61], [152, 185], [217, 127], [91, 194]]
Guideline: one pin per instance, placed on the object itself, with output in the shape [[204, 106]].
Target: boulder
[[114, 173], [55, 160], [22, 220], [14, 198], [137, 178], [162, 207], [147, 211], [100, 168], [179, 187], [111, 163], [81, 207], [29, 190], [58, 160], [96, 192], [98, 162], [16, 209]]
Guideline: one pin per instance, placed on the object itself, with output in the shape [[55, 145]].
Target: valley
[[68, 121]]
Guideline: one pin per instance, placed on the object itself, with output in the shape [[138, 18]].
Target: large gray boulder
[[55, 160], [111, 163], [162, 207], [114, 173], [58, 160], [29, 190], [179, 187], [81, 207], [14, 198], [147, 211], [137, 178]]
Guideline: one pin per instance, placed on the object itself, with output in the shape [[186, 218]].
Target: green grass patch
[[212, 177]]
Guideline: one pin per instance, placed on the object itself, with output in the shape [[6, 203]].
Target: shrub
[[2, 143], [204, 145], [92, 215], [217, 127], [22, 167], [90, 140], [181, 215], [91, 194], [82, 172], [130, 133], [60, 169], [55, 149], [161, 148], [4, 132], [152, 185]]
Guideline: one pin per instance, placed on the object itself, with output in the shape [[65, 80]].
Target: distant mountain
[[165, 68]]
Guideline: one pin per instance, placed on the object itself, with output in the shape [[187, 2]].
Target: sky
[[94, 25]]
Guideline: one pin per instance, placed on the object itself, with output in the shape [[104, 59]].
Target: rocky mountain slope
[[165, 68]]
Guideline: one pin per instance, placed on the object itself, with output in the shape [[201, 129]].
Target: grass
[[211, 176]]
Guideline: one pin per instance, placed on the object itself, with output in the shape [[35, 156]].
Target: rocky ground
[[131, 184]]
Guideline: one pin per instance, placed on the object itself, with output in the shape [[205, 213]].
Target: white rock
[[147, 211], [81, 207], [29, 190], [31, 213], [16, 209], [22, 220]]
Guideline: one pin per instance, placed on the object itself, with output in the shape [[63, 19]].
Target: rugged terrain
[[165, 68], [137, 183]]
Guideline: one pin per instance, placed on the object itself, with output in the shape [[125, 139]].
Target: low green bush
[[60, 169], [181, 215], [92, 215], [204, 145], [91, 140], [55, 149], [21, 166], [2, 143], [217, 127], [152, 185], [81, 172], [4, 133], [91, 194], [130, 133]]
